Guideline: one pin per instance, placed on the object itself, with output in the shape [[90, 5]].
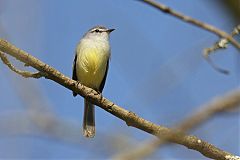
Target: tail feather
[[89, 120]]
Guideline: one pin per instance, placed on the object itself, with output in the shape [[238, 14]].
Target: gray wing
[[74, 73], [104, 78]]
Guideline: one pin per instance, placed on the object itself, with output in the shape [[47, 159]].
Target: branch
[[221, 44], [230, 101], [25, 74], [129, 117], [192, 21]]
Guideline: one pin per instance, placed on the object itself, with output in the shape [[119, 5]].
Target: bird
[[90, 68]]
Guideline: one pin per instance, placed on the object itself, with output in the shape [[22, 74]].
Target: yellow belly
[[91, 67]]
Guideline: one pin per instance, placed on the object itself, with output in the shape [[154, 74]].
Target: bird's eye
[[97, 30]]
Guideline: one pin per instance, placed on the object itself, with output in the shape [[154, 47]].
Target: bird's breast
[[91, 64]]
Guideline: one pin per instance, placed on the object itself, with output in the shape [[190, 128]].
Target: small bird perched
[[90, 67]]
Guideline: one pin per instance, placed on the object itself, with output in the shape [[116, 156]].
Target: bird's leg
[[100, 94], [78, 83]]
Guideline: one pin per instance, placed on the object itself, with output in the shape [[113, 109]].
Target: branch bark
[[223, 104], [129, 117], [192, 21]]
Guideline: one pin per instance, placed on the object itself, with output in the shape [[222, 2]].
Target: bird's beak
[[110, 30]]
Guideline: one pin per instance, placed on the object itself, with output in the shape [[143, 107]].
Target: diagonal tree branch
[[223, 104], [192, 21], [129, 117]]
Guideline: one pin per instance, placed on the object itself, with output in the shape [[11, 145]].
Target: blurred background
[[156, 70]]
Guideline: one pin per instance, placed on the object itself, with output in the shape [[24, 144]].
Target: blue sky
[[156, 71]]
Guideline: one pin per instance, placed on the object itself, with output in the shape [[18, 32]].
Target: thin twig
[[129, 117], [25, 74], [192, 21], [221, 44]]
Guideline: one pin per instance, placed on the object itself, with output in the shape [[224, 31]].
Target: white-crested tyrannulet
[[90, 68]]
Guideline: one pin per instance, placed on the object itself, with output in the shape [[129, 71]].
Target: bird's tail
[[89, 120]]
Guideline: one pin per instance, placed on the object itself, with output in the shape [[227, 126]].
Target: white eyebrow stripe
[[100, 29]]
